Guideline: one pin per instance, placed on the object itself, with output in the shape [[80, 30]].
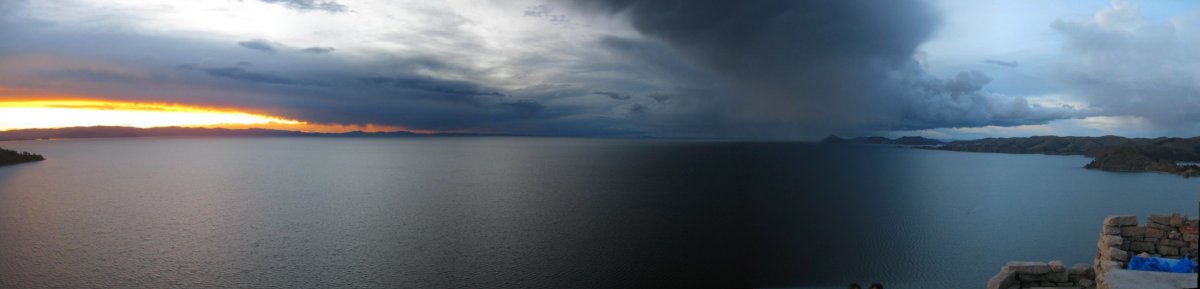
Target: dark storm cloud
[[1002, 63], [814, 65], [308, 5], [612, 95], [258, 44], [659, 97], [239, 72], [638, 108], [461, 90], [318, 50]]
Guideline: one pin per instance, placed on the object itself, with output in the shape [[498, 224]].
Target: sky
[[729, 69]]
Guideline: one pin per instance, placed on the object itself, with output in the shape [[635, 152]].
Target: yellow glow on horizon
[[26, 114]]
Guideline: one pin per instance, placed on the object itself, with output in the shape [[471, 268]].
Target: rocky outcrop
[[8, 157]]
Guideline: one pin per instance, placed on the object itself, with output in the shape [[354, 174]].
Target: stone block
[[1032, 268], [1139, 247], [1110, 230], [1155, 233], [1006, 278], [1136, 231], [1111, 241], [1031, 277], [1080, 269], [1177, 243], [1057, 266], [1158, 226], [1168, 250], [1178, 220], [1174, 235], [1190, 237], [1106, 266], [1085, 283], [1057, 276], [1121, 220], [1161, 219], [1116, 254]]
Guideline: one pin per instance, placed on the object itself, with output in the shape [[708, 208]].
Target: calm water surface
[[544, 212]]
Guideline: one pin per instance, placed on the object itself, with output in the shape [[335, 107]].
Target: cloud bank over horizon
[[746, 69]]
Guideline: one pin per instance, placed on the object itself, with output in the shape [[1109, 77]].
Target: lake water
[[500, 212]]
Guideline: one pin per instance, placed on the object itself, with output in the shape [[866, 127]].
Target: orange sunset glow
[[26, 114]]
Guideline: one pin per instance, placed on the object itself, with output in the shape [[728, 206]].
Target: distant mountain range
[[121, 131], [907, 140]]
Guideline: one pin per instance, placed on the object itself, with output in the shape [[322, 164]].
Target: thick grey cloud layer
[[770, 69], [258, 44], [318, 50], [1126, 65], [306, 5], [1002, 63], [612, 95]]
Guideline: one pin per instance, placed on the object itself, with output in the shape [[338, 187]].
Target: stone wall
[[1121, 237], [1021, 274]]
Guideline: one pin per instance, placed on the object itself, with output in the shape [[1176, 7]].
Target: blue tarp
[[1162, 264]]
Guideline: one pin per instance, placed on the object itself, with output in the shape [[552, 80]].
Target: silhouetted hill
[[833, 139], [907, 140], [1112, 153], [1131, 159], [8, 157], [121, 131]]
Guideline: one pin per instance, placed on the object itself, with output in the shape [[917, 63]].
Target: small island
[[8, 157]]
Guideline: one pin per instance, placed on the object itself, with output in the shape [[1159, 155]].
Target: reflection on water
[[545, 212]]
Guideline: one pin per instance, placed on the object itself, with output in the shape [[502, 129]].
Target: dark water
[[545, 212]]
